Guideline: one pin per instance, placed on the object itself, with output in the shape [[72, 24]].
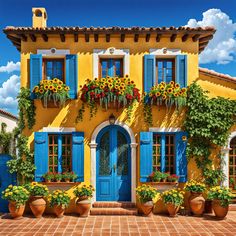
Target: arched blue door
[[5, 179], [113, 170]]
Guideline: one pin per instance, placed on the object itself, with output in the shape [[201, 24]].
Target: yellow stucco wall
[[65, 117]]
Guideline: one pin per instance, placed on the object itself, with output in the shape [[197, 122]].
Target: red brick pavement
[[119, 225]]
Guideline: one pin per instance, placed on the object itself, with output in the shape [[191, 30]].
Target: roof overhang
[[199, 34]]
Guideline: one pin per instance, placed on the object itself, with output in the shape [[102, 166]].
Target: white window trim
[[168, 51], [171, 129], [110, 53], [225, 158], [58, 129]]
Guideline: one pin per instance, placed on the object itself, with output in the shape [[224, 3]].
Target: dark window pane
[[104, 161]]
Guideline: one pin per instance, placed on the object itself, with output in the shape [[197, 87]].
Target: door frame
[[133, 146]]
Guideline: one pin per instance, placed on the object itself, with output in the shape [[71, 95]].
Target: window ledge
[[61, 184], [163, 186]]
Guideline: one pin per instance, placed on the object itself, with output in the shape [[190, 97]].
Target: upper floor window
[[164, 152], [111, 67], [60, 152], [53, 68], [165, 70]]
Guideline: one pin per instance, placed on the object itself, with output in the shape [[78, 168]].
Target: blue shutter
[[146, 142], [72, 75], [78, 155], [40, 154], [180, 158], [36, 68], [181, 70], [149, 71]]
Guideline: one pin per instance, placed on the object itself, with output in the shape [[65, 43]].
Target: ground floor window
[[164, 153], [232, 161], [60, 153]]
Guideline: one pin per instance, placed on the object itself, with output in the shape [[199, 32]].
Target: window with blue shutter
[[40, 154], [181, 70], [165, 152], [72, 75], [146, 142], [78, 155], [35, 70], [149, 72]]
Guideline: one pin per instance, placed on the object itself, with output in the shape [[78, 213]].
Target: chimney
[[39, 17]]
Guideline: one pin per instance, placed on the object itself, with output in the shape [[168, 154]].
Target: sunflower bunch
[[17, 194], [52, 90], [37, 189], [168, 93], [84, 191], [59, 198], [173, 196], [146, 193], [195, 186], [120, 91]]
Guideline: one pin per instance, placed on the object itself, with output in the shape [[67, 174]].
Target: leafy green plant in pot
[[37, 203], [220, 197], [145, 194], [17, 197], [173, 199], [58, 177], [59, 200], [48, 177], [196, 200], [83, 203]]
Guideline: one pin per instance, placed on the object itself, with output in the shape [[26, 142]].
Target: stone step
[[114, 205], [113, 211]]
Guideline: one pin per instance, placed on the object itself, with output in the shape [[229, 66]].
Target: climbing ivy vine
[[208, 121]]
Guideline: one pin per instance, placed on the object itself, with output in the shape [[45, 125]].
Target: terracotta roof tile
[[216, 74], [8, 114]]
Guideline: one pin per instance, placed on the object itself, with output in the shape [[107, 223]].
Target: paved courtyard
[[119, 225]]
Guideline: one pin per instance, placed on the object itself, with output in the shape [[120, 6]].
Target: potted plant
[[37, 203], [220, 197], [53, 93], [173, 178], [156, 176], [58, 177], [48, 177], [196, 200], [232, 183], [17, 197], [145, 194], [173, 199], [69, 176], [83, 203], [59, 200], [164, 177]]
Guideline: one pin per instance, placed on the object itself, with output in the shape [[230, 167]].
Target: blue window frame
[[164, 152], [165, 70], [60, 153], [111, 67], [54, 68]]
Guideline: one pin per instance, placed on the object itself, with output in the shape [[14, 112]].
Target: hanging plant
[[52, 91], [108, 92], [168, 94]]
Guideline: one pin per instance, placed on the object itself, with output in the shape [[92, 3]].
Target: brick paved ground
[[119, 225]]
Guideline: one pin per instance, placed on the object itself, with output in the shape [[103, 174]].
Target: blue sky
[[220, 56]]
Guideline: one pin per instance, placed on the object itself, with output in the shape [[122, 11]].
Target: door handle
[[114, 167]]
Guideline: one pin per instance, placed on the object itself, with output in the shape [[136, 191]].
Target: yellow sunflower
[[41, 91], [67, 88], [51, 87]]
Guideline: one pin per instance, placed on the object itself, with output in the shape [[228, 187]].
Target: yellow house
[[112, 151]]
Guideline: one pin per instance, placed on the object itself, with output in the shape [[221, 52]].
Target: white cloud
[[8, 93], [222, 48], [10, 67]]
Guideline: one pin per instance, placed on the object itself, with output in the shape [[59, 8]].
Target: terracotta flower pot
[[48, 181], [37, 206], [58, 181], [59, 211], [16, 213], [172, 209], [197, 203], [67, 180], [83, 198], [146, 208], [83, 207], [219, 210]]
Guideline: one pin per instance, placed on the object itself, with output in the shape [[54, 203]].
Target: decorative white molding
[[225, 158], [171, 129], [164, 51], [133, 146], [110, 53], [53, 52], [58, 129]]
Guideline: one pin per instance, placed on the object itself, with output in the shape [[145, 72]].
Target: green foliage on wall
[[5, 140], [208, 121]]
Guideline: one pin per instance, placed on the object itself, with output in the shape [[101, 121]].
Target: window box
[[60, 185], [163, 186]]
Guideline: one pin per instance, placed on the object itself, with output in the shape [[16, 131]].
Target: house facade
[[114, 157], [9, 119]]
